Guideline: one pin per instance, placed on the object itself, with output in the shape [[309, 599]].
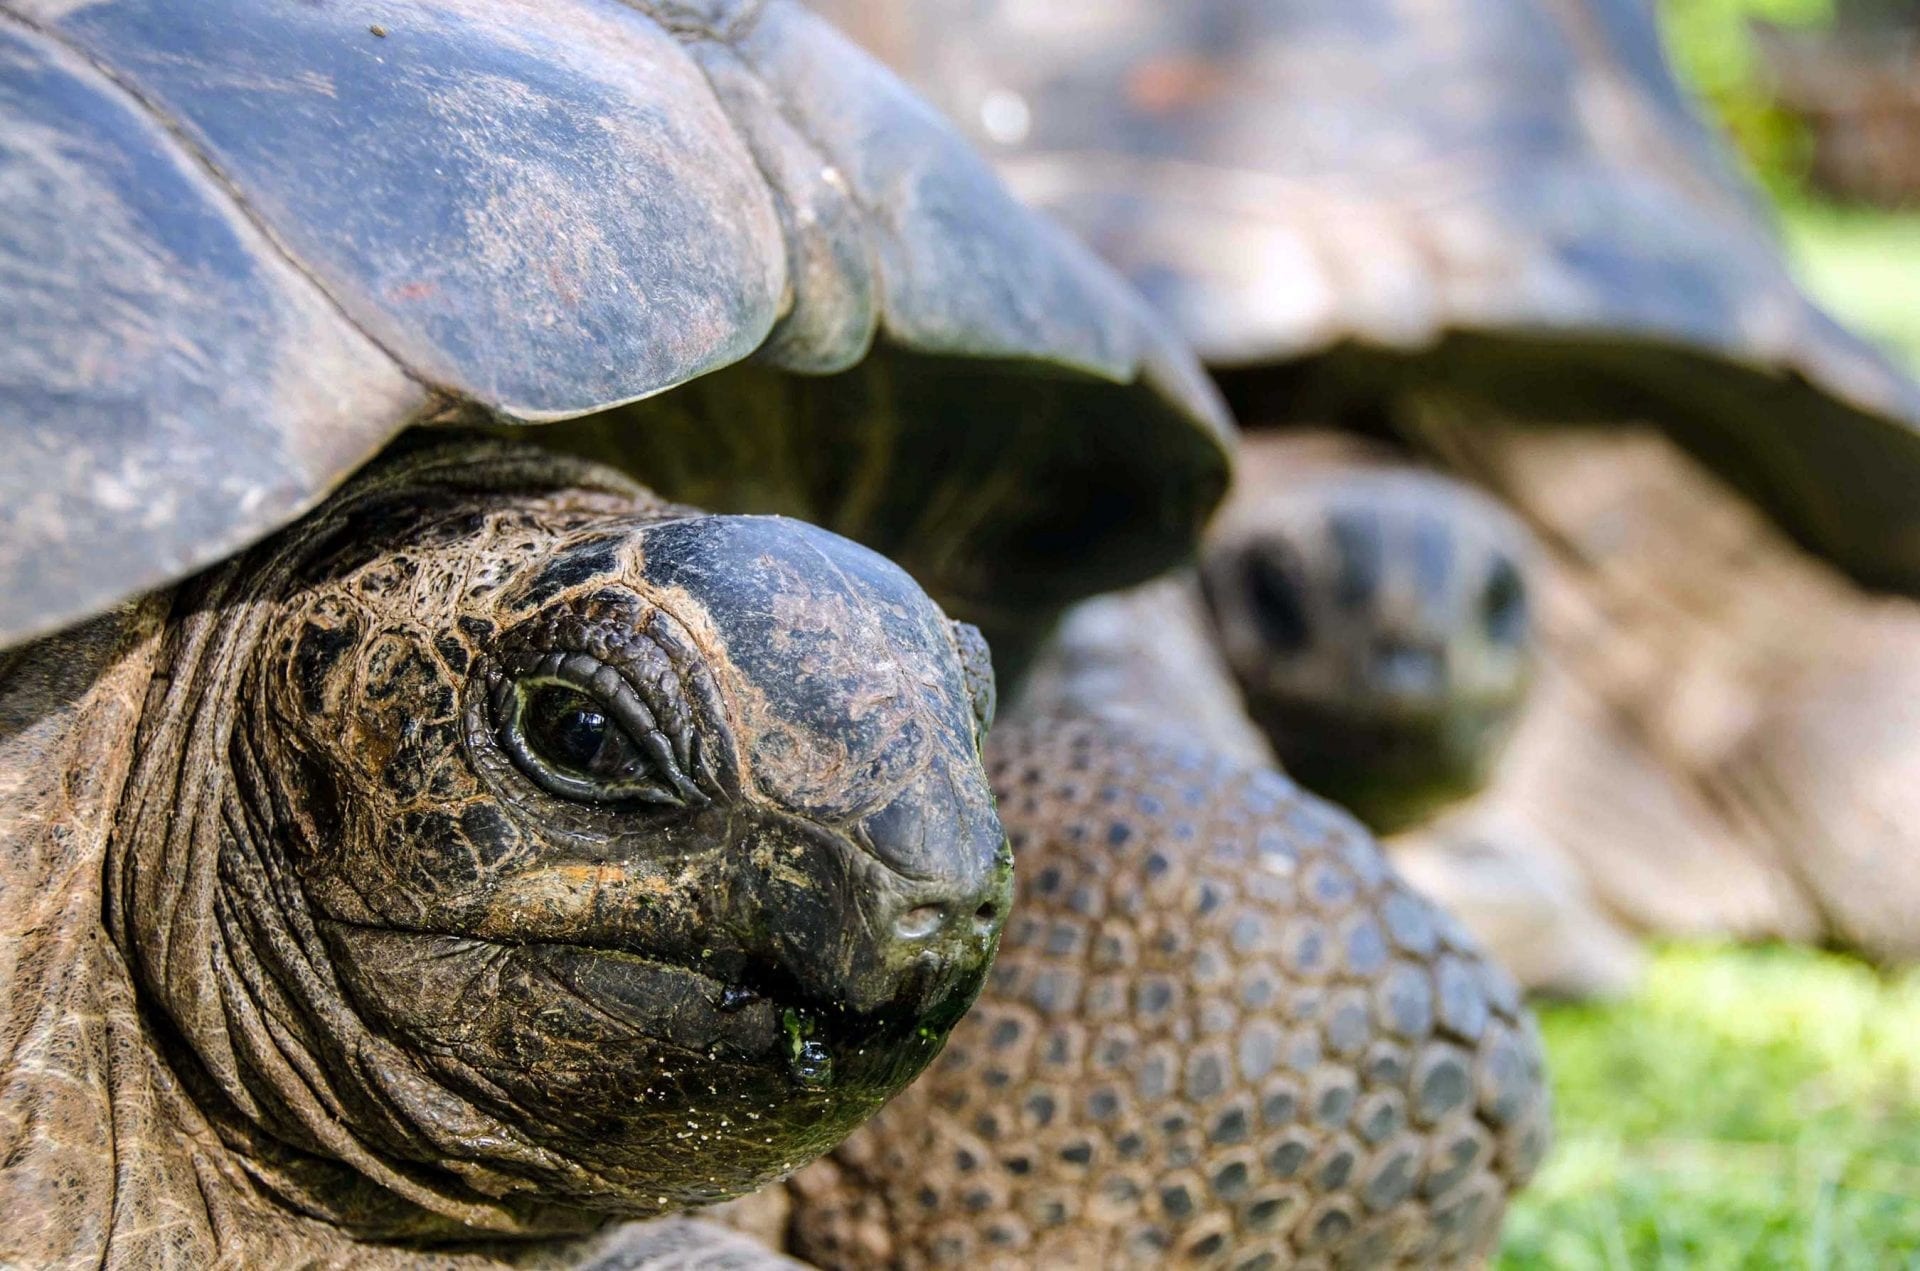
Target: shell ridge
[[204, 164], [872, 300]]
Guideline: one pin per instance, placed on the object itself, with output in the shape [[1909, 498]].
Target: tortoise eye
[[575, 741], [1279, 610], [1503, 605], [571, 731]]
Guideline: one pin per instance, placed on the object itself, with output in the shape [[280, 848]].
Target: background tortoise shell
[[1340, 200]]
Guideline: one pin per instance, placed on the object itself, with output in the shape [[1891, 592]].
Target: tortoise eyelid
[[627, 709]]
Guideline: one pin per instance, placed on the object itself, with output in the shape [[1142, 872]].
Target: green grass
[[1865, 267], [1749, 1108]]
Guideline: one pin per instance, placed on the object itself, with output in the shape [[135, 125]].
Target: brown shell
[[243, 244]]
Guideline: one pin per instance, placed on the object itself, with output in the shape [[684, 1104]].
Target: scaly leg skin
[[680, 1244], [1221, 1031]]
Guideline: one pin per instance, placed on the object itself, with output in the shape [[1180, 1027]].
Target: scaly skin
[[1220, 1032], [496, 853]]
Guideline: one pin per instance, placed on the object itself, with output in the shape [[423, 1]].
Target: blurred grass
[[1862, 263], [1864, 266], [1750, 1108], [1711, 43]]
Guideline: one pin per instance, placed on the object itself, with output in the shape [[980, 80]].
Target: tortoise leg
[[1221, 1031], [677, 1244]]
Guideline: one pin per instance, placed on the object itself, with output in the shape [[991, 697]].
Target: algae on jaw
[[809, 1062]]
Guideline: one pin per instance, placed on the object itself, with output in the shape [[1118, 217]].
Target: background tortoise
[[499, 848], [1377, 623], [1434, 224], [1367, 624]]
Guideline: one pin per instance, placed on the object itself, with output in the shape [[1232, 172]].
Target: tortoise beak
[[943, 840], [896, 916]]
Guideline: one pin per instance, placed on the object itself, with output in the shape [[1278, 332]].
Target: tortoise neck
[[79, 1093], [326, 1116]]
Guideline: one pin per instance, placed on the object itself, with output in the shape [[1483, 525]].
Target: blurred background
[[1822, 98], [1760, 1107]]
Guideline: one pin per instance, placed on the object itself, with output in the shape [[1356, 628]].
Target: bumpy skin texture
[[1220, 1032], [497, 852], [1375, 617]]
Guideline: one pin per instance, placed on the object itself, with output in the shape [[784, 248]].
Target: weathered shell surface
[[1506, 197], [243, 243]]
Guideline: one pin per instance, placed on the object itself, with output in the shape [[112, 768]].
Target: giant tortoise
[[1495, 234], [424, 845]]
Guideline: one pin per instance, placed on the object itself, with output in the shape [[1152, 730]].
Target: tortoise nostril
[[1401, 670], [921, 921], [986, 915]]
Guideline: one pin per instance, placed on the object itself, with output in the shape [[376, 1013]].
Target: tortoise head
[[648, 851], [1377, 622]]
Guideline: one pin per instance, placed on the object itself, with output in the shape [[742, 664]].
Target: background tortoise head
[[658, 841], [1376, 620]]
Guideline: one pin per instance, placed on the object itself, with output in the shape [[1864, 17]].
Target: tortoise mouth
[[736, 1015], [754, 1011], [673, 1085], [581, 1003], [1392, 772], [1403, 730]]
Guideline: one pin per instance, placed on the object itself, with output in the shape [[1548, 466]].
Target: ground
[[1749, 1108]]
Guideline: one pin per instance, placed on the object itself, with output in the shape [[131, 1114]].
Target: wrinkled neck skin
[[364, 984], [73, 1079], [204, 898]]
